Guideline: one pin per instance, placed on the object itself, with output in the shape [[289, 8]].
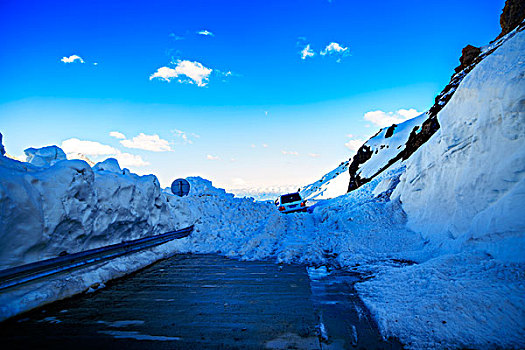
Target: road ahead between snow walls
[[207, 301]]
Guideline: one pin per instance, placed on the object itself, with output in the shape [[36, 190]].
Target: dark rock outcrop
[[512, 16], [390, 131], [364, 153], [468, 55]]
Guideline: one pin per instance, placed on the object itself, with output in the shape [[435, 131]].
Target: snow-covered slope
[[331, 185], [382, 151], [387, 144], [376, 155]]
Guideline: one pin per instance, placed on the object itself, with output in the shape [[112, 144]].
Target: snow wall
[[51, 205], [465, 188]]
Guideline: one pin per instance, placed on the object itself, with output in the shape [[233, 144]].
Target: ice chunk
[[2, 149], [111, 165], [45, 156]]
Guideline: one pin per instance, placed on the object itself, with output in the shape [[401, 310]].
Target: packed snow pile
[[250, 230], [45, 156], [51, 205], [469, 179], [464, 191]]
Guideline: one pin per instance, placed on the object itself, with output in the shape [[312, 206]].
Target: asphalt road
[[206, 302]]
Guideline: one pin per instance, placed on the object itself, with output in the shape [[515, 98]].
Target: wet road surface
[[206, 302]]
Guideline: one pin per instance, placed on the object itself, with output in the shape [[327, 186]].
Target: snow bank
[[468, 181], [50, 205], [65, 205], [450, 302], [356, 228], [45, 156], [464, 191]]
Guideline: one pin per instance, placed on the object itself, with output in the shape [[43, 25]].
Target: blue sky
[[236, 98]]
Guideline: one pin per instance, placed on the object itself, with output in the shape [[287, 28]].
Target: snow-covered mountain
[[80, 156], [398, 142], [378, 153], [374, 156]]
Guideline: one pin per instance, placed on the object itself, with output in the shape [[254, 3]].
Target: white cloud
[[307, 52], [335, 49], [72, 59], [175, 36], [238, 182], [314, 155], [184, 136], [96, 149], [290, 153], [128, 159], [252, 145], [205, 32], [355, 144], [408, 113], [210, 157], [194, 71], [148, 143], [383, 119], [265, 145], [117, 135], [89, 148]]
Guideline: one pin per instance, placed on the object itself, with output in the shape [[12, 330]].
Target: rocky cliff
[[511, 21]]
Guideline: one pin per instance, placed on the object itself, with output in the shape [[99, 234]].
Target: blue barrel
[[180, 187]]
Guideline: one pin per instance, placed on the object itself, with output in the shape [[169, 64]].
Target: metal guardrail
[[25, 273]]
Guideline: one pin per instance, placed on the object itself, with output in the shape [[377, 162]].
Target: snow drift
[[51, 205], [468, 181], [464, 191]]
